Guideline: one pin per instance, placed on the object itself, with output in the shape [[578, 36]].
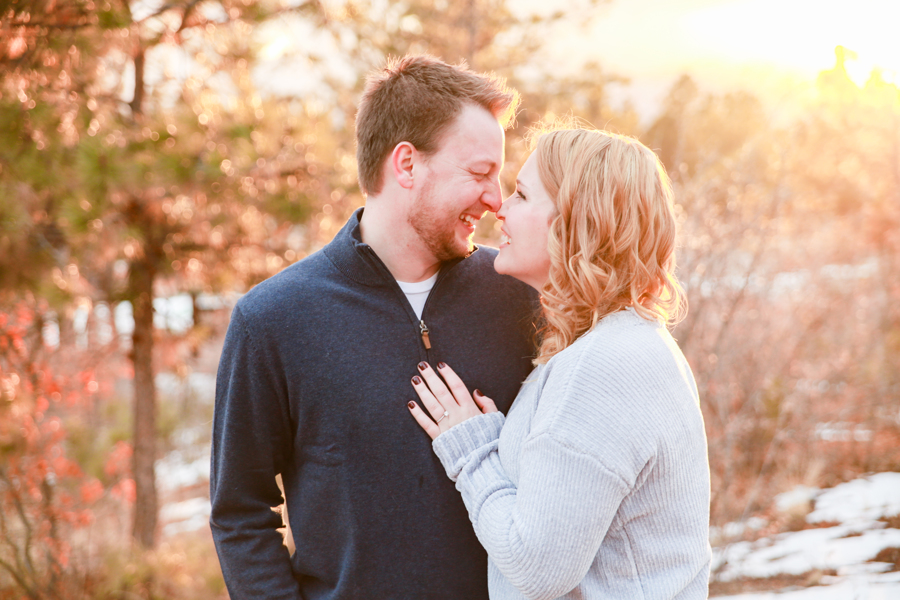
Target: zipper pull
[[424, 329]]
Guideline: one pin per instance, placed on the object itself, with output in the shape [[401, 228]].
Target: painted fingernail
[[423, 365], [441, 365], [477, 392], [416, 380], [411, 405]]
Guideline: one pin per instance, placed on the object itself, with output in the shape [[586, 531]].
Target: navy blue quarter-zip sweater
[[313, 384]]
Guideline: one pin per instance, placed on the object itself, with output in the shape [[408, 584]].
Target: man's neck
[[396, 243]]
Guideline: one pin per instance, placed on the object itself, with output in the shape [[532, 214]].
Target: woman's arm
[[544, 534]]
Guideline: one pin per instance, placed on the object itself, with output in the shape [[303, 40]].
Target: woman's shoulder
[[625, 368], [614, 392], [621, 339]]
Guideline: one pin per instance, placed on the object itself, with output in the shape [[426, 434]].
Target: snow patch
[[798, 498], [846, 548], [803, 551], [863, 500], [863, 587]]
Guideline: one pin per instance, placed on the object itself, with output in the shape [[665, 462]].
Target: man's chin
[[454, 249], [467, 246]]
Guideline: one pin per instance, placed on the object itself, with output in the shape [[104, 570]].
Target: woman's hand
[[448, 407]]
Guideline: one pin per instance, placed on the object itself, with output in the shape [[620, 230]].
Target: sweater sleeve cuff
[[479, 434]]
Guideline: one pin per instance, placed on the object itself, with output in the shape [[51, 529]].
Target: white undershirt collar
[[417, 292]]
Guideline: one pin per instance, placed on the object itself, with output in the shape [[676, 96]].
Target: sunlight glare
[[800, 35], [278, 46]]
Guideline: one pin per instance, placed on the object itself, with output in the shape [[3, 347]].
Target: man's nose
[[492, 197]]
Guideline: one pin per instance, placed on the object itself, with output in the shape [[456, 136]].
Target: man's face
[[459, 183]]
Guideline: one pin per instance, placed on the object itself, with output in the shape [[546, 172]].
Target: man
[[315, 374]]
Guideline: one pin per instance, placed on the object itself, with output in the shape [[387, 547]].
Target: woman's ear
[[403, 158]]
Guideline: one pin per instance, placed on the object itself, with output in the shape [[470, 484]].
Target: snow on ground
[[859, 587], [846, 548], [859, 501], [804, 551]]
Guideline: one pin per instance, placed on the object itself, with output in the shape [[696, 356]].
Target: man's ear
[[403, 158]]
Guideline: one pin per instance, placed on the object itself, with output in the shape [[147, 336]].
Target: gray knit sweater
[[597, 484]]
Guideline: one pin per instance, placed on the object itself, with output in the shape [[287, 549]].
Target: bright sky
[[762, 45], [656, 36], [774, 48]]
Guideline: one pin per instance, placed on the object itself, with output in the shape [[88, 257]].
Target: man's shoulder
[[305, 278], [483, 257]]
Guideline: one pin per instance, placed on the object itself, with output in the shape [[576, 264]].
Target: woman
[[597, 483]]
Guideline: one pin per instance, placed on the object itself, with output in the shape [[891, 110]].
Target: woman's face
[[525, 218]]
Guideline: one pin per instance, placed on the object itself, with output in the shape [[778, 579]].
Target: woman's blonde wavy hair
[[612, 243]]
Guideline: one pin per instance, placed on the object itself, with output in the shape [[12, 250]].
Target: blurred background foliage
[[150, 150]]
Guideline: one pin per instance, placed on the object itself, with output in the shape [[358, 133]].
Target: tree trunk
[[141, 277], [144, 458], [137, 100]]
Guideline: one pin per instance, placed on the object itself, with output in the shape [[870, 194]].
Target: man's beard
[[437, 230]]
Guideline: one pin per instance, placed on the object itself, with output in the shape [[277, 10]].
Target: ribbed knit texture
[[597, 483]]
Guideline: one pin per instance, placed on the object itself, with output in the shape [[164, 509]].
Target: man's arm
[[251, 435]]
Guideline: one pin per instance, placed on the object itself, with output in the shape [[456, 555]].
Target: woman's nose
[[501, 214]]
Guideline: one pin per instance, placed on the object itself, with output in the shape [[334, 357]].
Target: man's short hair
[[414, 99]]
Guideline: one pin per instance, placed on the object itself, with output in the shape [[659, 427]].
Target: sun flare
[[798, 34]]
